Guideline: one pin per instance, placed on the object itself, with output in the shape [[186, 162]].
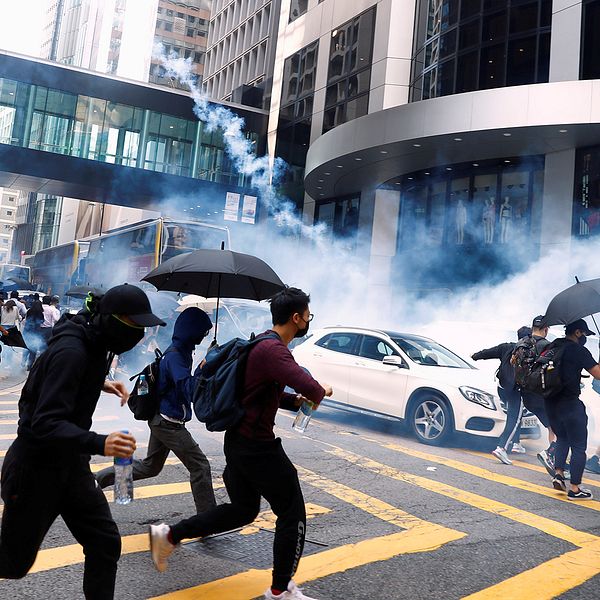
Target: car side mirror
[[394, 361]]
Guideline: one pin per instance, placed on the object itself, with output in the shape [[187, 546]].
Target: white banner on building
[[249, 209], [232, 206]]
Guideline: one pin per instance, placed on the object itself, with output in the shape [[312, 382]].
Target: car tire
[[431, 421]]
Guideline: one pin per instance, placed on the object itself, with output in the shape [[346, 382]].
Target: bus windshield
[[14, 272], [180, 237]]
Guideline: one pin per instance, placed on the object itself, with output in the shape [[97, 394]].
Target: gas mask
[[118, 336]]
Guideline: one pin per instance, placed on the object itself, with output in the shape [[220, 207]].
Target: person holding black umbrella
[[256, 463], [566, 411]]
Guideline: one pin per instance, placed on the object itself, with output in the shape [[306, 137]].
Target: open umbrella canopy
[[81, 291], [16, 283], [576, 302], [217, 273]]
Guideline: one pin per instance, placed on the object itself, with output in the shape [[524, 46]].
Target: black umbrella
[[576, 302], [216, 274], [13, 338], [16, 283], [81, 291]]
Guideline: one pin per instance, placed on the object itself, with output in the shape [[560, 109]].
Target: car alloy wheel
[[431, 420]]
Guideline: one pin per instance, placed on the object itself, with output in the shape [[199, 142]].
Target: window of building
[[297, 9], [169, 13], [586, 204], [349, 75], [295, 117], [9, 213], [480, 44], [190, 32], [590, 62], [341, 217], [168, 26]]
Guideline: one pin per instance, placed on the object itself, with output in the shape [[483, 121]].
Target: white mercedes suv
[[406, 377]]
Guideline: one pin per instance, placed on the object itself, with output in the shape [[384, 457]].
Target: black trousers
[[254, 469], [568, 420], [34, 495], [512, 429], [537, 405]]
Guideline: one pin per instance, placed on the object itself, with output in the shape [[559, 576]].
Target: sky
[[21, 25]]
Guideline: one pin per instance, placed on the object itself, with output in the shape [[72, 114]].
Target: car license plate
[[529, 422]]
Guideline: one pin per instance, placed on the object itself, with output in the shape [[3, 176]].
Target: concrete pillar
[[557, 205], [565, 42], [384, 229]]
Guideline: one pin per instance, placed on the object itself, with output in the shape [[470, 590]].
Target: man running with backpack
[[525, 353], [256, 464], [566, 411], [508, 392], [167, 428]]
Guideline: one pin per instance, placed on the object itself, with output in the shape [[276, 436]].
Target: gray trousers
[[164, 438]]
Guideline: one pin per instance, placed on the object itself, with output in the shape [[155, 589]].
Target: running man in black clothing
[[256, 464], [508, 392], [46, 471], [566, 411]]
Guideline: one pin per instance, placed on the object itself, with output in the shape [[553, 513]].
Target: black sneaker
[[593, 464], [582, 494], [558, 483]]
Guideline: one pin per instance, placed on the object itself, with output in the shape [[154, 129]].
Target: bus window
[[185, 237]]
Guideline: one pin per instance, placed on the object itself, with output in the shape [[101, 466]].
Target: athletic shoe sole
[[559, 484], [549, 468]]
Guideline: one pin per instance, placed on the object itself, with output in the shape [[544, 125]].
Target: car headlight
[[478, 396]]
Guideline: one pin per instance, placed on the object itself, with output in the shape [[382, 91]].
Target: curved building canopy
[[474, 126]]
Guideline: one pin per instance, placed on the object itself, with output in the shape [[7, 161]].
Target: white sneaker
[[518, 449], [500, 454], [293, 593], [160, 546]]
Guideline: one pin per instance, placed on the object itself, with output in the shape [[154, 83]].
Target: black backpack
[[145, 406], [544, 376], [220, 386], [522, 359]]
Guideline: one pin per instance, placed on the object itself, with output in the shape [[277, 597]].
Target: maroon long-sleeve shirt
[[270, 368]]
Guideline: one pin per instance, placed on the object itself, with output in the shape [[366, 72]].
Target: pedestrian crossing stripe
[[9, 421], [528, 466], [72, 554], [549, 579], [418, 536], [9, 402], [482, 473], [10, 412], [8, 436]]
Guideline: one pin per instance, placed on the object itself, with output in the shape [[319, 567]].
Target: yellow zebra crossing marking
[[419, 536]]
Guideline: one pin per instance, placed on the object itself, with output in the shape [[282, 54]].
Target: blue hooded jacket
[[175, 374]]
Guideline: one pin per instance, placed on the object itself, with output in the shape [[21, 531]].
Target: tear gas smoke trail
[[239, 147]]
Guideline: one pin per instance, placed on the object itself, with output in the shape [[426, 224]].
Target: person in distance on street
[[566, 411], [256, 464], [508, 392], [46, 471], [167, 428]]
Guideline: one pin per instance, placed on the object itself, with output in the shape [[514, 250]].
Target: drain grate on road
[[254, 550]]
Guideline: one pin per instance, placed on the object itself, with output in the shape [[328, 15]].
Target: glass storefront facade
[[586, 197], [467, 222], [466, 45], [51, 120], [590, 56], [341, 218]]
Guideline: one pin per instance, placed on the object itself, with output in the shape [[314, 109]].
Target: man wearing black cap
[[535, 403], [46, 470], [167, 429], [566, 411]]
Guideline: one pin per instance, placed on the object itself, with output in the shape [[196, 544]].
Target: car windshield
[[250, 318], [429, 353]]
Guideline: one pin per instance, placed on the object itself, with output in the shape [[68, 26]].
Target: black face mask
[[118, 336], [582, 340], [302, 332]]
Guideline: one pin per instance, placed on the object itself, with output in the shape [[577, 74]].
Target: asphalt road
[[388, 518]]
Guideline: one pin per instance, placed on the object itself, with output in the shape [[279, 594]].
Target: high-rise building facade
[[459, 137], [242, 42], [8, 216]]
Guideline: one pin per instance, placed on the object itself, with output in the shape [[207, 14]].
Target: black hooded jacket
[[60, 395]]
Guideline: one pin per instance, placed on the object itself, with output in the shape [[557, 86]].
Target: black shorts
[[535, 404]]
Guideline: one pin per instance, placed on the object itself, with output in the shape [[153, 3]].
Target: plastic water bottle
[[123, 479], [142, 387], [303, 416]]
